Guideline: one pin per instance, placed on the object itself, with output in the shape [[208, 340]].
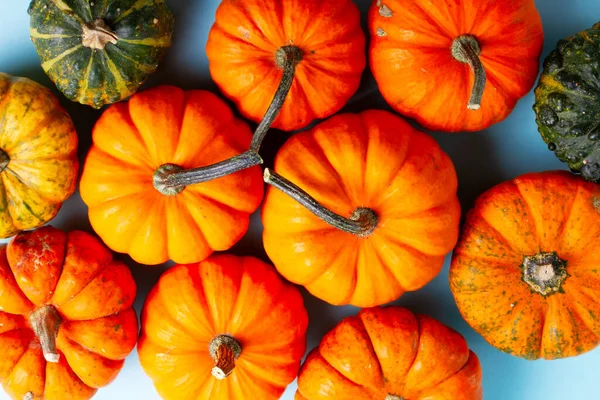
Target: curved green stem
[[286, 58], [362, 222], [466, 49]]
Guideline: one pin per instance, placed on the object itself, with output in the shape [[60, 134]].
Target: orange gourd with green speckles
[[525, 272], [66, 320], [392, 354], [38, 155]]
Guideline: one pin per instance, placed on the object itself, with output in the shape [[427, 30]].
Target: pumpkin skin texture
[[239, 296], [246, 36], [566, 99], [556, 217], [412, 45], [160, 126], [100, 52], [390, 353], [38, 155], [74, 277], [372, 160]]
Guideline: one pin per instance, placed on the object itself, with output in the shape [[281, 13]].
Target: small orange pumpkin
[[38, 155], [455, 65], [66, 320], [226, 328], [390, 353], [258, 51], [525, 271], [160, 179], [375, 217]]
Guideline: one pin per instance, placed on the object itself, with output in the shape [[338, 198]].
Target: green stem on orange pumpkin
[[362, 222], [224, 350], [96, 35], [171, 179], [286, 58], [466, 49], [45, 322], [4, 160]]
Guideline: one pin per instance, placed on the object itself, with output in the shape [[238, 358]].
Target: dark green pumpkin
[[99, 52], [567, 102]]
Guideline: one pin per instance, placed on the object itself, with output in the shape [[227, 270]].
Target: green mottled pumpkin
[[567, 102], [99, 52]]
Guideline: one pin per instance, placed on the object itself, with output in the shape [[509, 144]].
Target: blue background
[[482, 160]]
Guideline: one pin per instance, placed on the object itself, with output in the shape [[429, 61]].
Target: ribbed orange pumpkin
[[431, 58], [145, 194], [392, 354], [67, 322], [227, 328], [525, 272], [385, 196], [256, 46]]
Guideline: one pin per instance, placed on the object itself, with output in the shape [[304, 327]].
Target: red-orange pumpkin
[[66, 317], [256, 46], [392, 354], [226, 328], [431, 58]]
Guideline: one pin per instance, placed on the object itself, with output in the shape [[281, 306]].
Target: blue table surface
[[482, 160]]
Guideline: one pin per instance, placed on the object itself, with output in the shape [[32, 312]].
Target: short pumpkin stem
[[466, 49], [286, 58], [544, 273], [45, 322], [362, 222], [96, 35], [171, 179], [393, 397], [224, 349], [4, 160]]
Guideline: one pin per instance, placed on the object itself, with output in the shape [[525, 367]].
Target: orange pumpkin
[[66, 320], [160, 179], [38, 155], [376, 214], [226, 328], [392, 354], [525, 272], [257, 50], [455, 65]]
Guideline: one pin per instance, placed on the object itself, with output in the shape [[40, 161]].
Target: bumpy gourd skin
[[567, 101]]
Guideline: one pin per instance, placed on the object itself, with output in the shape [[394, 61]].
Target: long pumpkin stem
[[170, 179], [96, 35], [45, 322], [466, 49], [362, 222], [286, 58], [224, 349]]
